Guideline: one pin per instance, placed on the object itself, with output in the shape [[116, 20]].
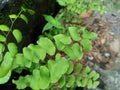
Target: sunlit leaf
[[95, 84], [13, 16], [87, 44], [53, 21], [2, 38], [62, 40], [61, 82], [44, 77], [70, 81], [22, 82], [21, 61], [74, 52], [4, 28], [12, 49], [47, 45], [6, 64], [71, 66], [74, 33], [62, 2], [5, 79], [2, 48], [89, 35], [24, 18], [56, 71], [78, 68], [18, 35], [39, 51], [47, 27]]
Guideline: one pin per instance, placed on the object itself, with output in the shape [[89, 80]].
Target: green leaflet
[[44, 78], [53, 21], [30, 55], [75, 52], [61, 41], [13, 16], [71, 66], [6, 64], [47, 45], [23, 82], [4, 28], [5, 79], [18, 35], [62, 81], [41, 77], [87, 44], [2, 48], [74, 33], [30, 11], [13, 49], [70, 81], [47, 27], [56, 71], [62, 2], [86, 71], [78, 68], [89, 35], [39, 51], [24, 18], [2, 38], [21, 61]]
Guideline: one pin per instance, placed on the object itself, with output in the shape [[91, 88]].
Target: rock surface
[[111, 78]]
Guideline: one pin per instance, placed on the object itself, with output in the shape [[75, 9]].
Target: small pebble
[[90, 57], [107, 54]]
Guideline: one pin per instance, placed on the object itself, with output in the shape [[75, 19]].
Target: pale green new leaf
[[18, 35], [13, 49], [47, 45], [4, 28], [13, 16], [24, 18], [2, 38]]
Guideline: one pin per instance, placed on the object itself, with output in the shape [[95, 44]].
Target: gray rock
[[2, 3]]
